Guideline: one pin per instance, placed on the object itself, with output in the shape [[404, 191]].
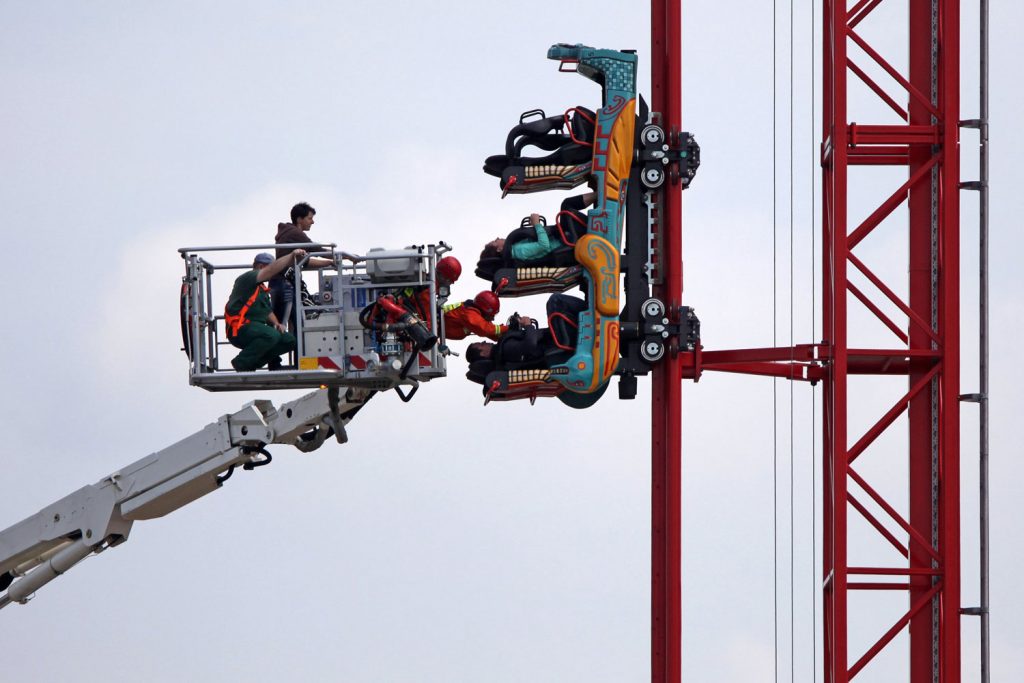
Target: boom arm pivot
[[36, 550]]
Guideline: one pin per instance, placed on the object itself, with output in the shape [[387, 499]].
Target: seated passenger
[[250, 320], [475, 316], [529, 347], [521, 349], [535, 243]]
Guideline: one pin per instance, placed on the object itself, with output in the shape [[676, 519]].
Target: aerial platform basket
[[337, 344]]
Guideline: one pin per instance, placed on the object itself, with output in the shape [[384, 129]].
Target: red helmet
[[488, 303], [448, 270]]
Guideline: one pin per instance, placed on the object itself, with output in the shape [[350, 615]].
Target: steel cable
[[814, 394], [775, 420], [792, 521]]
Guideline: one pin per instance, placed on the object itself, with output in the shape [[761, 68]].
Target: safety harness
[[237, 321]]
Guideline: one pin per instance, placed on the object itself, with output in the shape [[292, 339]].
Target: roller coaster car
[[533, 375], [568, 164], [596, 353], [370, 326]]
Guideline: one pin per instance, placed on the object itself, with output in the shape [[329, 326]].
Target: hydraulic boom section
[[37, 550]]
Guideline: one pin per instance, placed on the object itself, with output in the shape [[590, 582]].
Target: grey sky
[[447, 541]]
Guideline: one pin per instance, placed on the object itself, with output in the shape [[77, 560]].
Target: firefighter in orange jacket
[[476, 316], [446, 273], [414, 300]]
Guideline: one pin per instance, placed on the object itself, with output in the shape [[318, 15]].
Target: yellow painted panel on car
[[601, 260], [620, 152], [611, 348]]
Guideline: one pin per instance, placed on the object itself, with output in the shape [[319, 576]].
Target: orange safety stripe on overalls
[[237, 321]]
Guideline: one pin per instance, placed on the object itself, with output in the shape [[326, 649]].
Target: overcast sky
[[446, 542]]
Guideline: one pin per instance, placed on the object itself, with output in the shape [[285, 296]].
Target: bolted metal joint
[[688, 329], [661, 332], [675, 155]]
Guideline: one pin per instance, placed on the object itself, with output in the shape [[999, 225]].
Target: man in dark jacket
[[282, 289]]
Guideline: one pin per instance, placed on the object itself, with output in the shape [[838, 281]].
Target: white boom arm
[[36, 550]]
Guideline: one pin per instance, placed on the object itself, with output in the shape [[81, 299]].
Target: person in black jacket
[[282, 287], [529, 347]]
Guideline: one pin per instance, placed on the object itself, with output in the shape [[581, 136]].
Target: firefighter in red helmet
[[476, 316], [417, 299], [448, 271]]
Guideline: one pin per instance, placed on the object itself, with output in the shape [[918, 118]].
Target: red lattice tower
[[921, 527]]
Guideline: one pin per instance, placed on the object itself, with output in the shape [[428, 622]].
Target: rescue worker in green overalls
[[249, 316]]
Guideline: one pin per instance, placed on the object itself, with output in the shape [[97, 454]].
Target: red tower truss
[[917, 305], [922, 527]]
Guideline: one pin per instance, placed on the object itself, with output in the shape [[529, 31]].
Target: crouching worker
[[476, 316], [249, 316]]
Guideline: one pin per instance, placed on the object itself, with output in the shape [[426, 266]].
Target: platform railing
[[342, 288]]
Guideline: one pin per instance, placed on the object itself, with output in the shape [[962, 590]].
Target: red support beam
[[914, 316], [835, 135], [888, 206], [666, 391], [877, 311], [923, 468], [890, 571], [873, 521], [886, 420], [916, 609], [877, 89]]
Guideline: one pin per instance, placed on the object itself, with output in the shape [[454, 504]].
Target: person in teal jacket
[[541, 241]]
